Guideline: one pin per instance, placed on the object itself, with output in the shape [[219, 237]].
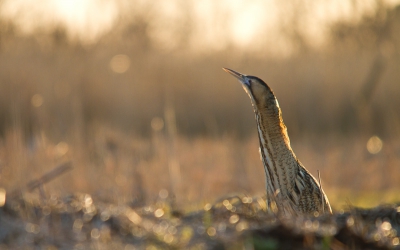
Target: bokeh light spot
[[159, 212], [95, 233], [88, 200], [37, 100], [32, 228], [62, 148], [234, 219], [350, 221], [242, 226], [168, 238], [135, 218], [386, 226], [247, 199], [78, 224], [163, 194], [120, 63], [104, 216], [374, 145], [207, 207], [211, 231]]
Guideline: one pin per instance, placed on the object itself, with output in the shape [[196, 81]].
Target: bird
[[291, 188]]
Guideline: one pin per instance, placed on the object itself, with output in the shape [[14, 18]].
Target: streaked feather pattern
[[290, 187]]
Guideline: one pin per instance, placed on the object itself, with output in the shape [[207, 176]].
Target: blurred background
[[132, 92]]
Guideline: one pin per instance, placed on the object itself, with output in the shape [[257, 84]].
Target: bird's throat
[[278, 158]]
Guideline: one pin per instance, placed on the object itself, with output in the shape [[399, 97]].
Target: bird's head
[[258, 91]]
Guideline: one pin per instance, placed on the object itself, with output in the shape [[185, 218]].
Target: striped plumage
[[290, 187]]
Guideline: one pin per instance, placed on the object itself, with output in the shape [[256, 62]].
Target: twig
[[321, 192], [47, 177]]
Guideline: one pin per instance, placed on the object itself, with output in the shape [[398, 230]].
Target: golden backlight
[[217, 24], [132, 92]]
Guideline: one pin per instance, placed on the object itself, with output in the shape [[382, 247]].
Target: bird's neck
[[272, 131], [280, 163]]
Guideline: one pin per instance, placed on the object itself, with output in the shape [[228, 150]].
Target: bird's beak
[[242, 78]]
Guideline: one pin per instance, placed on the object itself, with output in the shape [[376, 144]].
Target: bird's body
[[290, 187]]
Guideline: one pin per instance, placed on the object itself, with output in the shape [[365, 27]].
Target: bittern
[[291, 189]]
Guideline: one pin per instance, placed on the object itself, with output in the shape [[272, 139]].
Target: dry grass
[[62, 101], [174, 132], [124, 168]]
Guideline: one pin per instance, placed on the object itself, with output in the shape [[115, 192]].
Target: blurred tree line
[[61, 87]]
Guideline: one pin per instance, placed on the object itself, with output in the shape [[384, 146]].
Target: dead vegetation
[[238, 222], [154, 136]]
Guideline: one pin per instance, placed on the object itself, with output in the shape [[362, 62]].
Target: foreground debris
[[238, 222]]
